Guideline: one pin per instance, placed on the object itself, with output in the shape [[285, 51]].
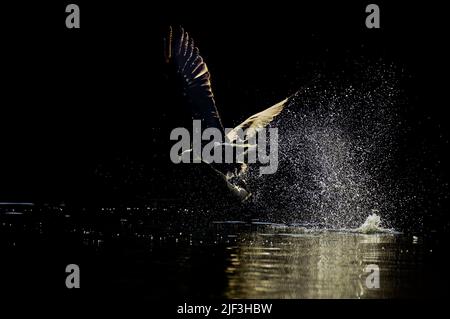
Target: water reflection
[[320, 264], [160, 255]]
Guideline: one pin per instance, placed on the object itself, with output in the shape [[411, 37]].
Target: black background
[[77, 100]]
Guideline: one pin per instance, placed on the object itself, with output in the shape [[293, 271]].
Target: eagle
[[193, 79]]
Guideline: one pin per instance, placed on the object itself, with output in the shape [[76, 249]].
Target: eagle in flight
[[192, 75]]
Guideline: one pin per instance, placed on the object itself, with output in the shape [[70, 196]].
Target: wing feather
[[256, 121], [195, 77]]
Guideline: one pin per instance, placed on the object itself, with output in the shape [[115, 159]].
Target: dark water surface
[[160, 253]]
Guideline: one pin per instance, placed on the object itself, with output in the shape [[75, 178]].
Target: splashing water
[[336, 144], [372, 225]]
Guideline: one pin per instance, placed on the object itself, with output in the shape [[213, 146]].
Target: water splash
[[372, 225], [336, 147]]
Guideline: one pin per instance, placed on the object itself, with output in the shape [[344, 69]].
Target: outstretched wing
[[194, 76], [256, 121]]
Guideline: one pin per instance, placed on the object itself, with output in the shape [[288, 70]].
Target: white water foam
[[372, 225]]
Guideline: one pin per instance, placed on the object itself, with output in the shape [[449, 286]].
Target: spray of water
[[371, 225], [336, 148]]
